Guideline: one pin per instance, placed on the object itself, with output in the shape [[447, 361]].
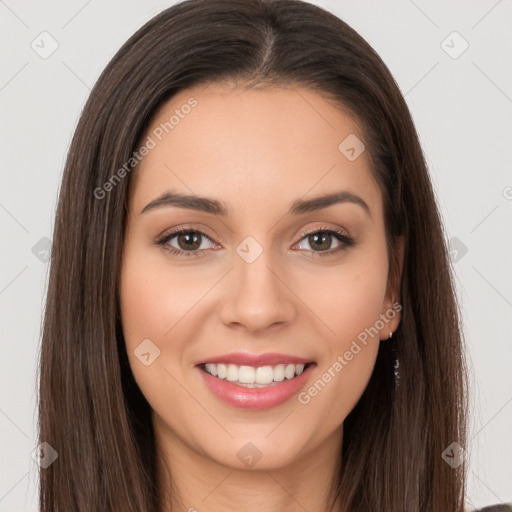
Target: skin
[[257, 151]]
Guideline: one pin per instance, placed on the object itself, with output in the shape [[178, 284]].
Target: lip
[[256, 398], [256, 360]]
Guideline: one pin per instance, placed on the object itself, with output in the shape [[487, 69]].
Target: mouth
[[261, 383]]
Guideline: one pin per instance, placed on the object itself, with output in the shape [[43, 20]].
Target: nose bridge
[[254, 265], [256, 296]]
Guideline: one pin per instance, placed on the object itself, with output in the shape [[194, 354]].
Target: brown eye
[[320, 242], [188, 242]]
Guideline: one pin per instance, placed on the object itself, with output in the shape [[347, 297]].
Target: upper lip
[[256, 360]]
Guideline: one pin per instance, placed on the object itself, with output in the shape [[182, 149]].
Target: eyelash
[[346, 241]]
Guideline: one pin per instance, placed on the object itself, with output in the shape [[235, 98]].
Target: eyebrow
[[215, 207]]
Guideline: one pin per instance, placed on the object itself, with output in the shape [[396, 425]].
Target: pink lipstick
[[255, 382]]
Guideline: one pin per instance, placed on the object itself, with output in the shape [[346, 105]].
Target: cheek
[[154, 297], [349, 303], [347, 298], [153, 301]]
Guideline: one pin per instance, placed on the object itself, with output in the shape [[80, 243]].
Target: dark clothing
[[504, 507]]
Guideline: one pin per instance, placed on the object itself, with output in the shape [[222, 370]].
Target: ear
[[392, 307]]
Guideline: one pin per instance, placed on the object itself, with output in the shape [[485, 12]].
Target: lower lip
[[256, 398]]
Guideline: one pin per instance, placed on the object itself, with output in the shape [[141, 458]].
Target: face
[[284, 299]]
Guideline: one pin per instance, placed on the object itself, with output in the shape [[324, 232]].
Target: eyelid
[[181, 229], [325, 228]]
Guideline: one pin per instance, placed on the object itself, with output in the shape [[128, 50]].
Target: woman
[[250, 302]]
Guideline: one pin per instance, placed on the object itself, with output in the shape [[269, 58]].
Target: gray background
[[462, 108]]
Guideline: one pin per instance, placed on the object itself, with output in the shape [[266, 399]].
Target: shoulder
[[504, 507]]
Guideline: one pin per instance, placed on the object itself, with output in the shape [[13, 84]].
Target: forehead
[[251, 146]]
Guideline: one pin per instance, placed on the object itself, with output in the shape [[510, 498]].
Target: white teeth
[[289, 371], [221, 370], [279, 373], [212, 369], [246, 374], [254, 377], [264, 375], [232, 373]]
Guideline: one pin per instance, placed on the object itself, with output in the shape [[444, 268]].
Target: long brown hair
[[92, 412]]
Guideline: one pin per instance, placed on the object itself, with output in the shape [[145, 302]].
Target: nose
[[257, 296]]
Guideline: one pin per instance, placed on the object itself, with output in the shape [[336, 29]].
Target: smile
[[255, 382]]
